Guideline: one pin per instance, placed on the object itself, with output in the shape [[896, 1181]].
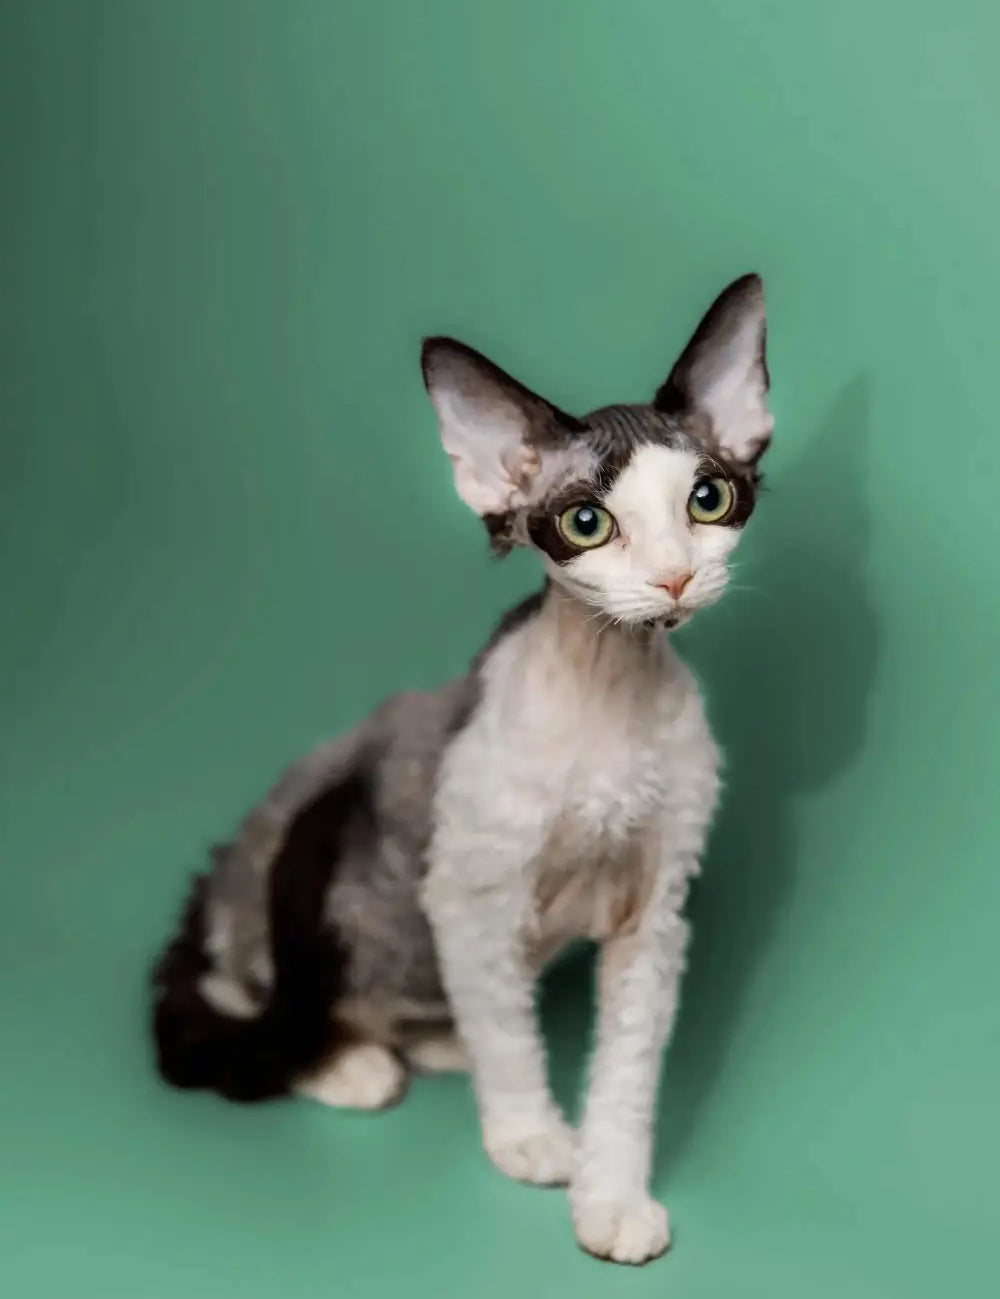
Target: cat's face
[[634, 509]]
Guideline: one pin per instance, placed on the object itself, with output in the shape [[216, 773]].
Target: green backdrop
[[227, 530]]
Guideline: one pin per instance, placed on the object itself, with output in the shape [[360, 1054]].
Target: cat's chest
[[589, 755], [568, 763], [609, 806]]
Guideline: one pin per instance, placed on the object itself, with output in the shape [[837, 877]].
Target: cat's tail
[[243, 1053], [243, 996]]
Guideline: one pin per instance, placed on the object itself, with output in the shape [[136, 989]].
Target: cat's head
[[635, 509]]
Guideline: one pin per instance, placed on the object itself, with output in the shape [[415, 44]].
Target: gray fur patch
[[372, 904]]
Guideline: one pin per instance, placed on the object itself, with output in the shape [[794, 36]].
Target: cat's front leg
[[479, 907], [638, 988]]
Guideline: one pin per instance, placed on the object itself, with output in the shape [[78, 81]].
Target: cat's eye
[[586, 526], [711, 500]]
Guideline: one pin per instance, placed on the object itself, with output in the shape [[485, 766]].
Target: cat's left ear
[[722, 373], [492, 427]]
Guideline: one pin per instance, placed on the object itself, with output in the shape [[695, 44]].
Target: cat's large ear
[[722, 373], [492, 427]]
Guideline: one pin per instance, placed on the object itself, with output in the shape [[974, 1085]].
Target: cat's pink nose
[[675, 585]]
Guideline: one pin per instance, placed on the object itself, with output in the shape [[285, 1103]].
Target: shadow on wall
[[788, 666]]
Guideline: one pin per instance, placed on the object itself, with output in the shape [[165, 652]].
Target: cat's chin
[[665, 621], [677, 619]]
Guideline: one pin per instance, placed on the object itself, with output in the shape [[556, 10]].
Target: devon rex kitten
[[412, 878]]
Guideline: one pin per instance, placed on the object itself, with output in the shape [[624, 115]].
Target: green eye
[[711, 500], [586, 526]]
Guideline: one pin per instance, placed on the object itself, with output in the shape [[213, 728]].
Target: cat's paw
[[361, 1077], [633, 1230], [541, 1151]]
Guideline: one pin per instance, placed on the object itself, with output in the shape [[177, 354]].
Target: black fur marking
[[543, 524], [744, 486], [260, 1058], [615, 432], [746, 498], [500, 528], [543, 529]]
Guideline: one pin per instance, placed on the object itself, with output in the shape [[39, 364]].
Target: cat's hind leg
[[441, 1053]]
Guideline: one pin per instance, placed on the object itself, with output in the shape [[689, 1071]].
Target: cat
[[391, 902]]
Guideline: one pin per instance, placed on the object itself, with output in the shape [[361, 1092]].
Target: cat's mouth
[[670, 621], [679, 619]]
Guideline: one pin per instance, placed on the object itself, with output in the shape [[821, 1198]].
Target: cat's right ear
[[492, 427]]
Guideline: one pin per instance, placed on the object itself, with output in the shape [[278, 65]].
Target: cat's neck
[[589, 641]]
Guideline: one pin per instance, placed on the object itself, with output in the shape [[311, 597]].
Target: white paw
[[541, 1151], [624, 1231], [364, 1077], [444, 1054]]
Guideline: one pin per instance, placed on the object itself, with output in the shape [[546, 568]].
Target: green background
[[227, 531]]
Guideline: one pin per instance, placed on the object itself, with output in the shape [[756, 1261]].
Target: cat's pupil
[[585, 521], [708, 495]]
